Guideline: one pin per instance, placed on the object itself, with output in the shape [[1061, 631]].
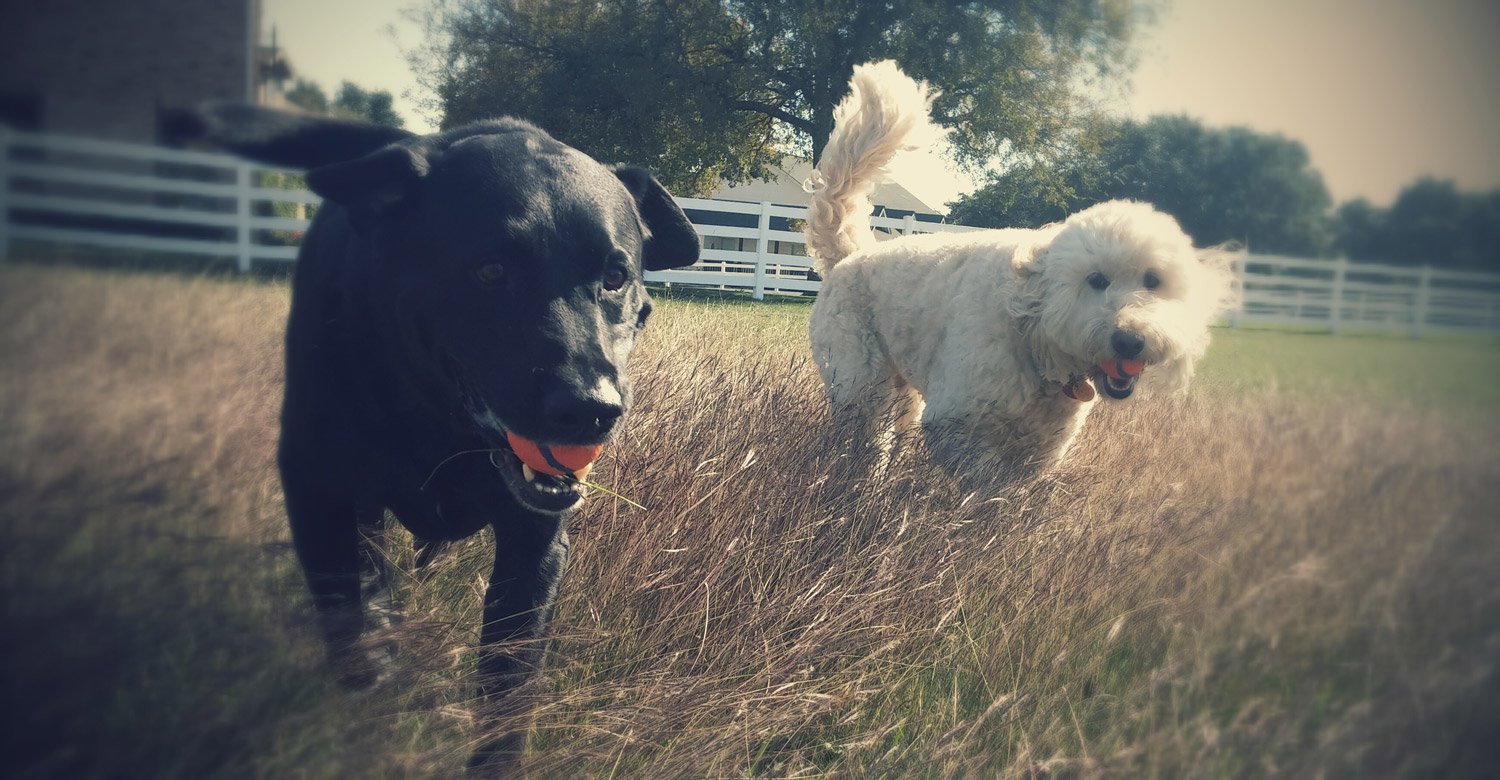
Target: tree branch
[[774, 112]]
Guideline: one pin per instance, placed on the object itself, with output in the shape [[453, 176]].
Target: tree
[[1222, 185], [374, 106], [1008, 71], [1423, 223], [1479, 234], [1361, 230], [308, 96], [638, 82], [703, 90], [352, 101], [1431, 223]]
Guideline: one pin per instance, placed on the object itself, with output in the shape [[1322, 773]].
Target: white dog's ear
[[1027, 258], [1024, 303], [1024, 261], [1219, 286]]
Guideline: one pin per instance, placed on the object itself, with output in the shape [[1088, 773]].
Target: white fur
[[974, 335], [885, 113]]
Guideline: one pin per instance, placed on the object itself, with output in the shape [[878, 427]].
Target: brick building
[[103, 68]]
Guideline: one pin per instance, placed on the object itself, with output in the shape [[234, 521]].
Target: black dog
[[453, 288]]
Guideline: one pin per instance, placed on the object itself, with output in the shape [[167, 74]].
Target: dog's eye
[[490, 274], [1151, 280], [614, 278], [1098, 281]]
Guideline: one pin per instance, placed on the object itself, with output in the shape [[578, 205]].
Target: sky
[[1380, 92]]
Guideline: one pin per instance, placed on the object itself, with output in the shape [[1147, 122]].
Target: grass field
[[1294, 571]]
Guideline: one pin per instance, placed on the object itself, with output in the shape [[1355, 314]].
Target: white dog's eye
[[1098, 281], [1151, 281]]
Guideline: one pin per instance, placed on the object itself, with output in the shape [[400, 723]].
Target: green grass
[[721, 321], [1431, 373]]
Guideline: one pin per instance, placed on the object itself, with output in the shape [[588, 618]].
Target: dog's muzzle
[[1117, 377], [539, 492]]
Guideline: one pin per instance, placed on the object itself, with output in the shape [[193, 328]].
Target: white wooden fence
[[60, 190], [759, 246], [1339, 296], [64, 190]]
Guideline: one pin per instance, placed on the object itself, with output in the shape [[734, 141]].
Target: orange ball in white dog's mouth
[[1122, 369]]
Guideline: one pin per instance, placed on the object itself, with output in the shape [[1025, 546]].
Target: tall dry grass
[[1235, 584]]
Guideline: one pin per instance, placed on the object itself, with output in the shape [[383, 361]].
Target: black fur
[[406, 347]]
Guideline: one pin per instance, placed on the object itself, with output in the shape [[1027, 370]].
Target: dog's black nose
[[587, 417], [1127, 344]]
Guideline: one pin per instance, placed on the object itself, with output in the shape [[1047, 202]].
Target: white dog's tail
[[886, 112]]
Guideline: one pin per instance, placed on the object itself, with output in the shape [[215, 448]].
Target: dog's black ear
[[372, 183], [283, 138], [671, 241]]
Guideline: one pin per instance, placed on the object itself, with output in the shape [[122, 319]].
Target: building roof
[[786, 189]]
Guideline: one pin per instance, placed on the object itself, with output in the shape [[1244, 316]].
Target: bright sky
[[1379, 91]]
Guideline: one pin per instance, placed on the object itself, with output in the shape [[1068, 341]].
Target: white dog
[[993, 339]]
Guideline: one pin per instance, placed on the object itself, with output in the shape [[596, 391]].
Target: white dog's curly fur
[[985, 337]]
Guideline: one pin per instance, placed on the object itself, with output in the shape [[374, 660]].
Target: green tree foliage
[[702, 90], [634, 82], [372, 105], [1230, 184], [352, 101], [1361, 230], [1430, 223], [308, 96]]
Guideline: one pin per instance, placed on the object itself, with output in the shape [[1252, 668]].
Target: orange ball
[[556, 460], [1123, 369]]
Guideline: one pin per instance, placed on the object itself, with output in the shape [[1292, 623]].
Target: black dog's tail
[[283, 138]]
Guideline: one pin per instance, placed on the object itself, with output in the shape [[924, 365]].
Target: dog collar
[[1079, 389]]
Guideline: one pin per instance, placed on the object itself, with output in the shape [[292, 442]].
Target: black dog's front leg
[[326, 537], [529, 562]]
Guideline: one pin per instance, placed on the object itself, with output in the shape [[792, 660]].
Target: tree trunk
[[822, 128]]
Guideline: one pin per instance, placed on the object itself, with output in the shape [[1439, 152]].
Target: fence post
[[909, 224], [244, 176], [1238, 265], [4, 194], [1336, 302], [1424, 294], [762, 250]]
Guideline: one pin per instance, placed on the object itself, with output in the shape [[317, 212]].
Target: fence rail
[[57, 189]]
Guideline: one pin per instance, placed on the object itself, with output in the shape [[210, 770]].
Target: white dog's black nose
[[585, 417], [1127, 344]]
